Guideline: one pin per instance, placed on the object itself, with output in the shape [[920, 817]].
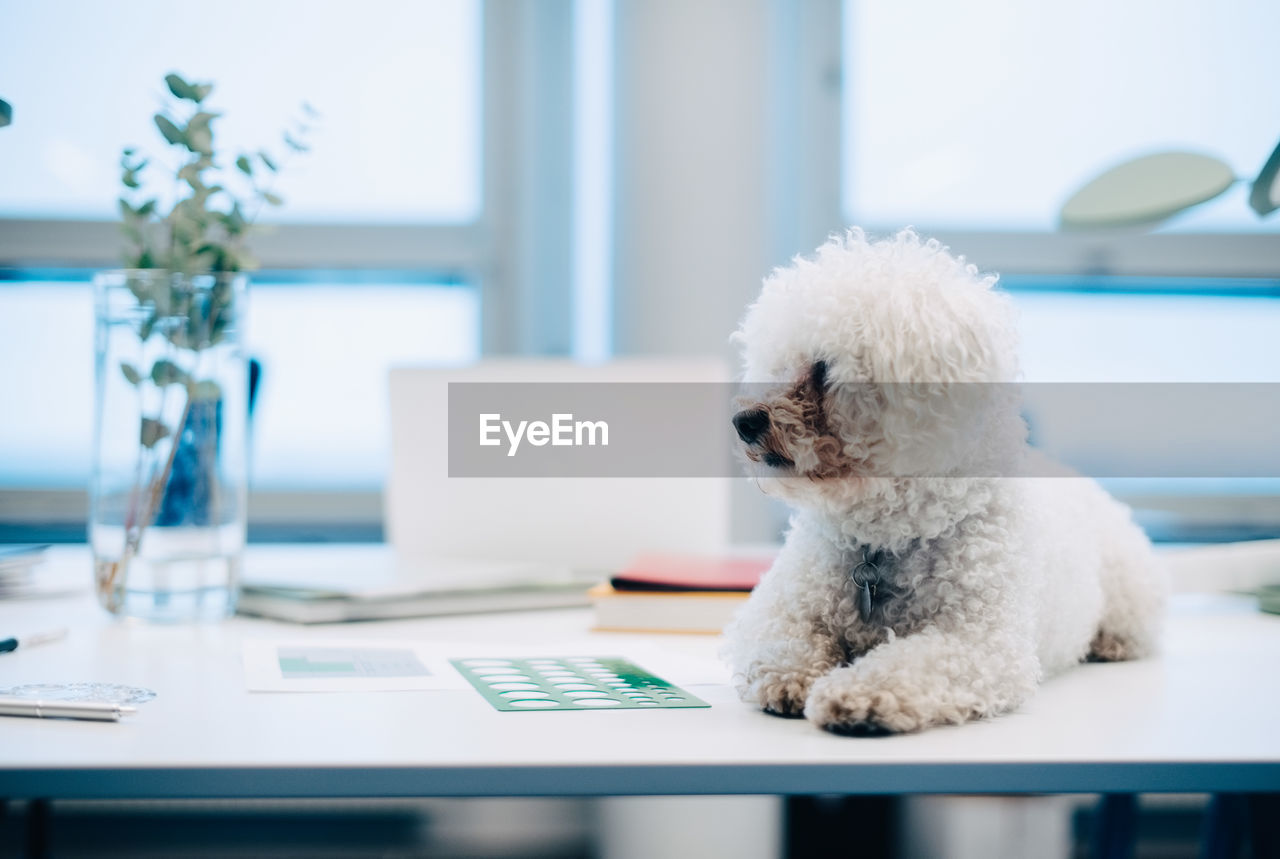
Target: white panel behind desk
[[589, 523]]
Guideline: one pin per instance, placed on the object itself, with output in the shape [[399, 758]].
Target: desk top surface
[[1202, 717]]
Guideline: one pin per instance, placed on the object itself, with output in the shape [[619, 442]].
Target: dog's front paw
[[780, 693], [841, 704]]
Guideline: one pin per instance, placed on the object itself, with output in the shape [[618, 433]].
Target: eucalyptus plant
[[205, 230], [180, 267]]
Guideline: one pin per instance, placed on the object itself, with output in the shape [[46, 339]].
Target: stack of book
[[677, 593], [17, 568], [420, 588]]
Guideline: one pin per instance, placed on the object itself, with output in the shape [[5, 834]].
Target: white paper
[[346, 665], [392, 665]]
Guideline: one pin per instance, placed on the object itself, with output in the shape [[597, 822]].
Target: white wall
[[709, 187]]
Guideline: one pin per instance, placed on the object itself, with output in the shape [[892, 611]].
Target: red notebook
[[691, 573]]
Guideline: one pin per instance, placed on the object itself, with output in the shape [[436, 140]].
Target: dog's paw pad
[[1108, 647], [859, 728]]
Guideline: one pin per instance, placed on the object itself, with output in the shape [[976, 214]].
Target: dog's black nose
[[751, 424]]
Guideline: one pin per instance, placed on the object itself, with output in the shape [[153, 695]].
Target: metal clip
[[866, 576]]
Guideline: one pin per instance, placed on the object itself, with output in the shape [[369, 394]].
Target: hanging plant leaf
[[165, 372], [131, 373], [6, 113], [206, 389], [171, 132], [1147, 190], [152, 431], [179, 87], [200, 135]]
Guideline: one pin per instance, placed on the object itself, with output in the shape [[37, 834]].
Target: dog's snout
[[751, 424]]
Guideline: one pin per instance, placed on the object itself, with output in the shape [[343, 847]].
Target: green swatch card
[[571, 683]]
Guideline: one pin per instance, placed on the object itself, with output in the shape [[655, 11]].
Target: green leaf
[[152, 431], [294, 144], [130, 179], [244, 165], [190, 173], [199, 134], [206, 390], [140, 287], [165, 372], [234, 221], [200, 140], [147, 209], [266, 160], [180, 88], [273, 199], [149, 324], [171, 132], [131, 373], [128, 151], [310, 111], [202, 91], [126, 210]]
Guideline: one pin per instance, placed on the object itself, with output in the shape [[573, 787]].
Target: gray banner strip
[[686, 430]]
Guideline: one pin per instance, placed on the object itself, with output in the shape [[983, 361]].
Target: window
[[324, 340], [397, 86], [986, 115], [974, 122], [407, 228]]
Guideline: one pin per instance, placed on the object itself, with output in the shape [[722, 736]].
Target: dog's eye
[[818, 375]]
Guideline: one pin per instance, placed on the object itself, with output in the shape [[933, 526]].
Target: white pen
[[93, 710], [17, 641]]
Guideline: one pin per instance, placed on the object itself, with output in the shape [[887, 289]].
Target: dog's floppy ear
[[818, 376]]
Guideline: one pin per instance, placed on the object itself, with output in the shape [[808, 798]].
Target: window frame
[[516, 254], [1120, 252], [1250, 260]]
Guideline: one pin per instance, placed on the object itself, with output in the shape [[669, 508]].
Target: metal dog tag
[[866, 576]]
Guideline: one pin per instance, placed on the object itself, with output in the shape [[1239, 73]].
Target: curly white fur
[[989, 582]]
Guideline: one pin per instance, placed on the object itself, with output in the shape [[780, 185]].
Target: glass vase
[[168, 489]]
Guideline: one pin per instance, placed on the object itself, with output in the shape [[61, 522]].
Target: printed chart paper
[[350, 665]]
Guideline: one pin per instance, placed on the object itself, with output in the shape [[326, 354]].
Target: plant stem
[[133, 536]]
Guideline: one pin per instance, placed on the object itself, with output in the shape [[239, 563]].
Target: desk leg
[[39, 825], [1231, 815], [1225, 819], [819, 827], [1115, 826], [1264, 824]]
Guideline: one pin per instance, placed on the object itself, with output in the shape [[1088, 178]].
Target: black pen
[[14, 643]]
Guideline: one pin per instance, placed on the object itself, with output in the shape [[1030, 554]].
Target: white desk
[[1202, 718]]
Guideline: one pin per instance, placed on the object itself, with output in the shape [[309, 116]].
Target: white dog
[[921, 583]]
